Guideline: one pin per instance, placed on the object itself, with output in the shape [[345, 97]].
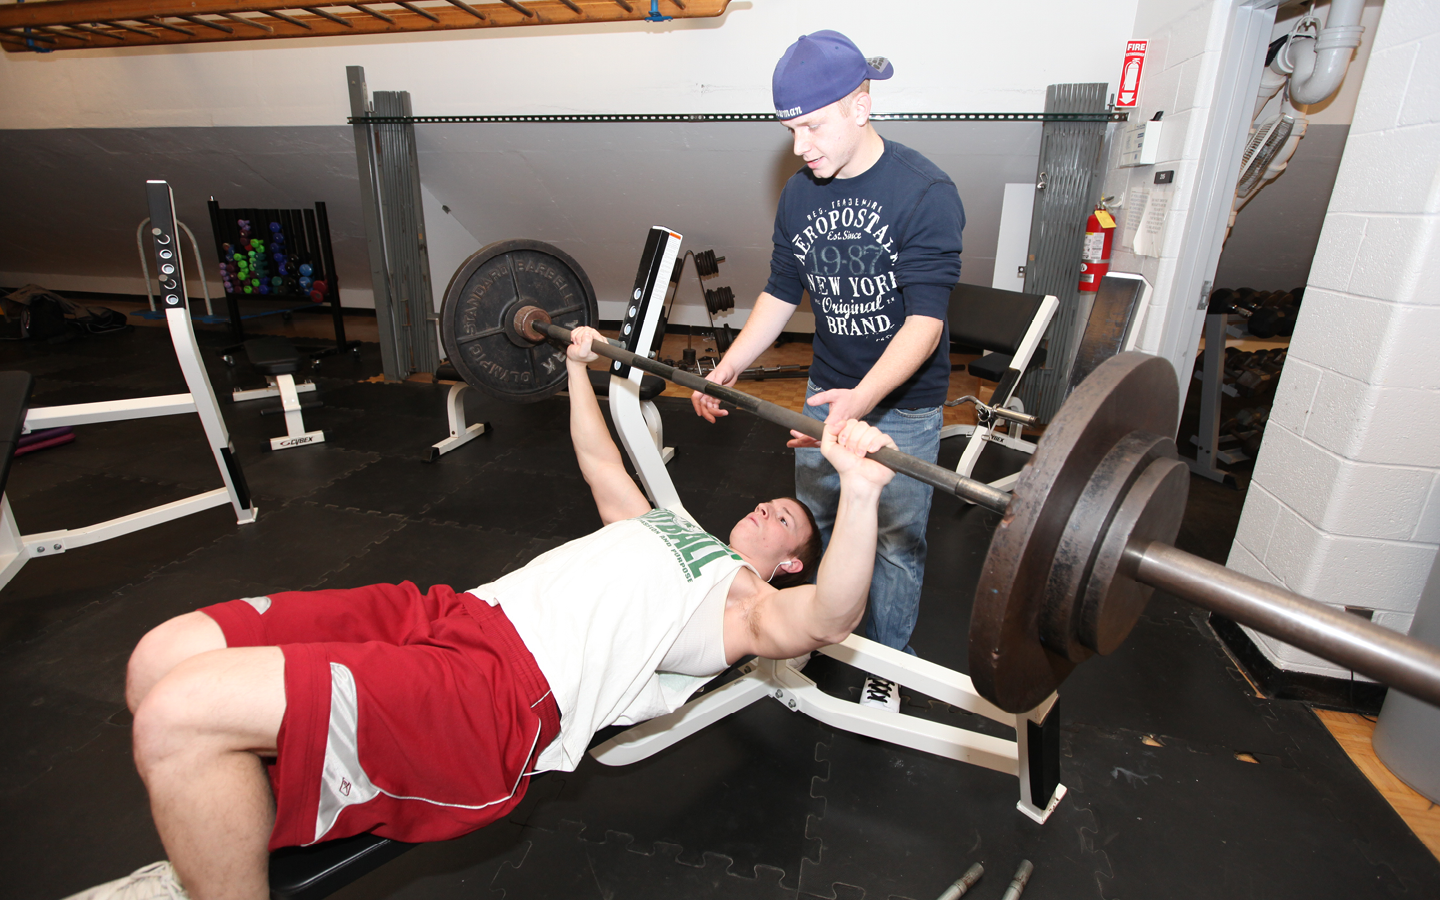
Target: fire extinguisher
[[1095, 259]]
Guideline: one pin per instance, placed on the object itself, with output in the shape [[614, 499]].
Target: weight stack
[[402, 221], [1071, 167]]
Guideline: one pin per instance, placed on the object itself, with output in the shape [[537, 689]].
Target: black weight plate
[[476, 319], [1009, 664]]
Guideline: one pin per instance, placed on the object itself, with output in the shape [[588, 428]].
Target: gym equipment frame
[[983, 317], [526, 283], [17, 548], [641, 328]]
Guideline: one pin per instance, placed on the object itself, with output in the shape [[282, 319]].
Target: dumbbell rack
[[1210, 451], [308, 237]]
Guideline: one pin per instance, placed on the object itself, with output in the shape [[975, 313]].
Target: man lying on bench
[[302, 717]]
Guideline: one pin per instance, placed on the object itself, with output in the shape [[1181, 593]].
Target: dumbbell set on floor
[[1247, 428], [1267, 314], [1253, 372]]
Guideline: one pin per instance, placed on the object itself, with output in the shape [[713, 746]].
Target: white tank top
[[600, 613]]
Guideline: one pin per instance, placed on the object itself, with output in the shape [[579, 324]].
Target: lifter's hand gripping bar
[[976, 492]]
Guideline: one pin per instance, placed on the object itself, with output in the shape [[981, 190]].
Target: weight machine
[[17, 548]]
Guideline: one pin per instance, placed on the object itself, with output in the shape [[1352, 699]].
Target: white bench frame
[[16, 548]]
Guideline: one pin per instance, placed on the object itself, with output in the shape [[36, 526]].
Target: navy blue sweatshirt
[[871, 250]]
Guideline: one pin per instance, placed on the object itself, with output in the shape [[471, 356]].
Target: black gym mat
[[1164, 800]]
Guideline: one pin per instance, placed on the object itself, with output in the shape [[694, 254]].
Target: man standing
[[871, 229]]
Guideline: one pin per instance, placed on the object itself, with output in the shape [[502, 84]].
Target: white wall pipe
[[1270, 84], [1317, 66]]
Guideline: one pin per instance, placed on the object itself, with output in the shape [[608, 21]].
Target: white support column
[[1345, 502]]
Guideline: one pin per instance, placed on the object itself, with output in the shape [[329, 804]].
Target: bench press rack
[[1033, 757], [631, 392], [17, 548]]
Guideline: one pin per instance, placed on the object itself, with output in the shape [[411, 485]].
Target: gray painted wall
[[1274, 238], [76, 195]]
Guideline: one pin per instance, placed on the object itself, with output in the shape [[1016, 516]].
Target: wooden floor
[[1354, 733], [790, 392]]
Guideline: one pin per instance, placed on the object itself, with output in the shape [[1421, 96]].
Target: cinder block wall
[[1345, 502]]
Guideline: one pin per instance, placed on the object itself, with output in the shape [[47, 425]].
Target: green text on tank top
[[693, 548]]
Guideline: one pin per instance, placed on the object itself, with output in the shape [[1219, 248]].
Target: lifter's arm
[[616, 495], [787, 623]]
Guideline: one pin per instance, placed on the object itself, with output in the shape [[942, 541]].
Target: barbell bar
[[936, 476], [1387, 656]]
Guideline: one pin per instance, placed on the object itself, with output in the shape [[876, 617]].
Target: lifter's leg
[[199, 735], [164, 647]]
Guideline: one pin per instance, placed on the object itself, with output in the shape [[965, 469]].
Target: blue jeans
[[904, 512]]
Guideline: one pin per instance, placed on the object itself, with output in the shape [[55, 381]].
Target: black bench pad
[[309, 873], [273, 355], [14, 401], [650, 385], [994, 366]]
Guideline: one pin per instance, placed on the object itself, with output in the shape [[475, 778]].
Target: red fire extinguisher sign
[[1095, 259], [1129, 92]]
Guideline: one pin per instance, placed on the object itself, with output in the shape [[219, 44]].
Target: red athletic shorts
[[417, 717]]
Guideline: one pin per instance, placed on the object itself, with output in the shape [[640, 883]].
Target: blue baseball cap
[[819, 69]]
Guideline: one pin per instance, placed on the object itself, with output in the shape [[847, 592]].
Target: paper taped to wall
[[1146, 211]]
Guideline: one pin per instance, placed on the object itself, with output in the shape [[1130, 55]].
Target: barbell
[[1083, 540]]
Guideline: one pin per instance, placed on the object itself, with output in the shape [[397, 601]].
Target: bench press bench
[[278, 360]]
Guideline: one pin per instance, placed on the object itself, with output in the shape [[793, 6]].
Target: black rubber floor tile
[[899, 822], [297, 473], [87, 655], [163, 376], [55, 392], [85, 821], [685, 429], [50, 590], [24, 357], [391, 485], [1180, 819], [1176, 681], [38, 471], [293, 547], [103, 446], [766, 437], [91, 499], [405, 398], [540, 452], [563, 864], [44, 724], [390, 435], [702, 468], [1195, 815], [429, 554], [740, 788], [521, 503], [763, 476], [189, 462]]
